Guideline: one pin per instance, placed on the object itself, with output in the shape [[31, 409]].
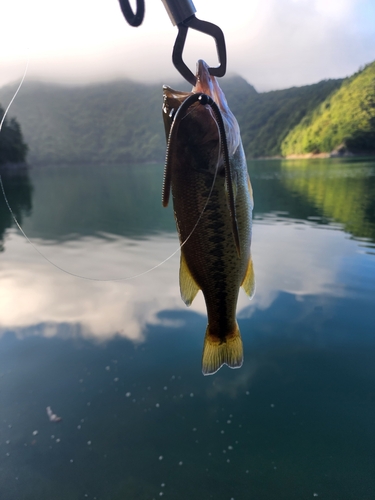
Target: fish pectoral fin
[[248, 283], [218, 352], [188, 285]]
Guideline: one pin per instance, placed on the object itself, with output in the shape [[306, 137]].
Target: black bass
[[213, 202]]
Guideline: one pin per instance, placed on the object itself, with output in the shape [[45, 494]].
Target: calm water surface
[[119, 361]]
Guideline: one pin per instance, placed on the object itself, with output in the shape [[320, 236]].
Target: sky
[[273, 44]]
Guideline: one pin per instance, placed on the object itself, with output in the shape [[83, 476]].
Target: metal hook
[[203, 27]]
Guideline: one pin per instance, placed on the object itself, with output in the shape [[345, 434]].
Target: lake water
[[120, 361]]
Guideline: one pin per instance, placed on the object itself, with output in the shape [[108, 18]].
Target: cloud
[[291, 258], [297, 42], [273, 44]]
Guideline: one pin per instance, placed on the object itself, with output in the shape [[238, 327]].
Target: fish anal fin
[[188, 285], [248, 283], [218, 352]]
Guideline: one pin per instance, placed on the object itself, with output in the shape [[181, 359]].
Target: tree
[[12, 146]]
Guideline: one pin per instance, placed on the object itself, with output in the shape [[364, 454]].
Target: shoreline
[[312, 156], [22, 166]]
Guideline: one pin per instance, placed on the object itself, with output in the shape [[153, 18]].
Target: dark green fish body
[[210, 259]]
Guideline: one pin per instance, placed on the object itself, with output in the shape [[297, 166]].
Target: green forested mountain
[[12, 147], [344, 121], [266, 118], [121, 121]]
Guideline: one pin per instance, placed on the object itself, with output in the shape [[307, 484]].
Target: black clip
[[179, 11], [134, 19], [203, 27]]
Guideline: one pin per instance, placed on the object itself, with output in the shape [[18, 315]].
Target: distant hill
[[344, 122], [120, 122], [103, 123], [116, 122]]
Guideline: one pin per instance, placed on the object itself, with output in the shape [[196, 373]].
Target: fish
[[213, 202]]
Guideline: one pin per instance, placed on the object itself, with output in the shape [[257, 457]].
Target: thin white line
[[15, 94], [77, 275], [97, 279]]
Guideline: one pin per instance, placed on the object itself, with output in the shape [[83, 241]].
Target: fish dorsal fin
[[248, 283], [188, 285]]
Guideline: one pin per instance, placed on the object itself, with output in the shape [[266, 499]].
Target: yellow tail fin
[[217, 352]]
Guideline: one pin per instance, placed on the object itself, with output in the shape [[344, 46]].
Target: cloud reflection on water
[[37, 299], [34, 293]]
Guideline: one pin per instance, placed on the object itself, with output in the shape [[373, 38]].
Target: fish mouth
[[206, 84]]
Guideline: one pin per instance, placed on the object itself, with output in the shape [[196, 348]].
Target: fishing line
[[15, 94], [99, 279], [222, 140]]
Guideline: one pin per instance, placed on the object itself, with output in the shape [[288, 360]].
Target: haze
[[272, 43]]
